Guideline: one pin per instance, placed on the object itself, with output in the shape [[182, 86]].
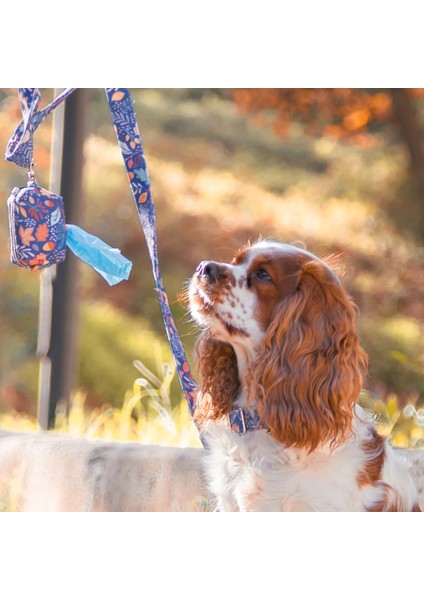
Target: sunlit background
[[341, 170]]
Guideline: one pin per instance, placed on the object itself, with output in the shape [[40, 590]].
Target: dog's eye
[[263, 275]]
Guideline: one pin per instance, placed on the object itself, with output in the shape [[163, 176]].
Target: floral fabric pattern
[[129, 140], [37, 228], [20, 148], [242, 420]]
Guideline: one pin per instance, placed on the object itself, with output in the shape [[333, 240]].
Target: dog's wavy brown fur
[[217, 366], [310, 368]]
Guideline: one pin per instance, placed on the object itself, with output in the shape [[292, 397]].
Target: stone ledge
[[51, 472]]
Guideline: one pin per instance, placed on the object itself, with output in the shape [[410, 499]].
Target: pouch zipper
[[11, 210]]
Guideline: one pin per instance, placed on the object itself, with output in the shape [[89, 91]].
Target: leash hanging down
[[129, 140], [240, 420]]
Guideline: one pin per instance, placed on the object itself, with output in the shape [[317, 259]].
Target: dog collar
[[242, 420]]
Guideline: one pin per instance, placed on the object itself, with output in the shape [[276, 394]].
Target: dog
[[281, 369]]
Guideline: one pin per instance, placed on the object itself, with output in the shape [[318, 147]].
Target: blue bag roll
[[107, 261]]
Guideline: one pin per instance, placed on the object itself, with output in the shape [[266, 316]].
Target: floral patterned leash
[[129, 140], [240, 420], [20, 148]]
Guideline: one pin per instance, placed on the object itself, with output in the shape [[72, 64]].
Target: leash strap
[[20, 148], [129, 140]]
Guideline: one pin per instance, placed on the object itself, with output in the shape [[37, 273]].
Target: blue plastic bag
[[107, 261]]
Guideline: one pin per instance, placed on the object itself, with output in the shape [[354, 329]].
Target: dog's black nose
[[211, 270]]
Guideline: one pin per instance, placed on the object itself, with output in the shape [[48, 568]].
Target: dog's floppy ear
[[310, 369], [219, 382]]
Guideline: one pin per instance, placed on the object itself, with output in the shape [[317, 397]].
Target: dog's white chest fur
[[253, 472]]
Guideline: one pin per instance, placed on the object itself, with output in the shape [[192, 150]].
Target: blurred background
[[340, 170]]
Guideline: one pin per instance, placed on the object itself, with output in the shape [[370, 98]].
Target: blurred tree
[[347, 113], [406, 118]]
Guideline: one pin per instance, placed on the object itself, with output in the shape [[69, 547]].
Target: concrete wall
[[50, 472]]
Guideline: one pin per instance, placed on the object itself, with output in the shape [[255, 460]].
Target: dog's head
[[285, 311]]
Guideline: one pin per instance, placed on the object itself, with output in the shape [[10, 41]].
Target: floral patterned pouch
[[37, 229]]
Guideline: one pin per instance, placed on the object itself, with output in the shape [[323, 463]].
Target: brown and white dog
[[279, 337]]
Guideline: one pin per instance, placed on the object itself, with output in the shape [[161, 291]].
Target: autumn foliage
[[336, 112]]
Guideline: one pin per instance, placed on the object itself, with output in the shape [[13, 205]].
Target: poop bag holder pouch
[[37, 229], [39, 235]]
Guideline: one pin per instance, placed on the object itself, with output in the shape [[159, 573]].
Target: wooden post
[[48, 275], [60, 360]]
